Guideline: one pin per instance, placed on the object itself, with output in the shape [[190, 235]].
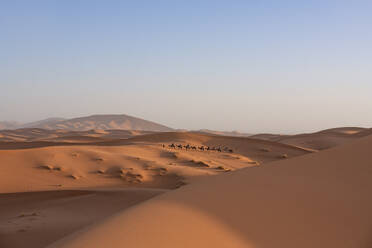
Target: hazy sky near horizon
[[252, 66]]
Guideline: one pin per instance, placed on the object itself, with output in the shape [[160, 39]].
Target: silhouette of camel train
[[200, 148]]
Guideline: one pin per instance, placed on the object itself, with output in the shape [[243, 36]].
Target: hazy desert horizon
[[185, 124], [130, 122]]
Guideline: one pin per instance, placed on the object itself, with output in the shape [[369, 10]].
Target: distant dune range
[[259, 191], [36, 137], [224, 133], [97, 128]]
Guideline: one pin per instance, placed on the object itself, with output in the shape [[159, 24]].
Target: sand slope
[[36, 219], [260, 150], [318, 200], [319, 140], [89, 136], [141, 161]]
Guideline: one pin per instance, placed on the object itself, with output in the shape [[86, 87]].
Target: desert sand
[[117, 188], [321, 140], [36, 219], [141, 161]]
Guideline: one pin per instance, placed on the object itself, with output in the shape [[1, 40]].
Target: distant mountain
[[105, 122], [41, 123], [9, 125]]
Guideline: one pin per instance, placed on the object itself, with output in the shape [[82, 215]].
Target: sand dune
[[318, 200], [141, 161], [320, 140], [312, 141], [54, 187], [256, 193], [260, 150], [94, 135]]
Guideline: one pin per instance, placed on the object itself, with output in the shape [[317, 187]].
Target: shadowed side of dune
[[36, 219]]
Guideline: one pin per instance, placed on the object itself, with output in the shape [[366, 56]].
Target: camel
[[201, 148]]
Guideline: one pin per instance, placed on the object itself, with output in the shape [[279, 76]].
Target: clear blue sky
[[253, 66]]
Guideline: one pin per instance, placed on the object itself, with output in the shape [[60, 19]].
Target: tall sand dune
[[319, 200]]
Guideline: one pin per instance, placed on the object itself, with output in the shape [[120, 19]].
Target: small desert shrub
[[284, 156], [223, 168], [265, 149], [75, 177], [46, 167], [58, 168]]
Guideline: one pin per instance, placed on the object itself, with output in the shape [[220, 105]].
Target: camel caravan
[[199, 148]]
